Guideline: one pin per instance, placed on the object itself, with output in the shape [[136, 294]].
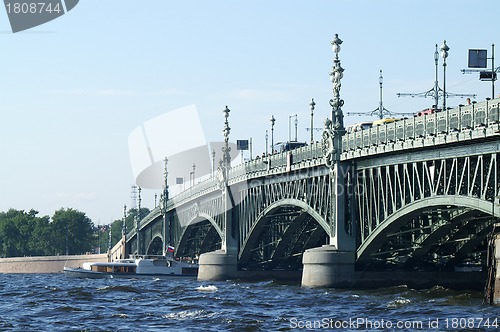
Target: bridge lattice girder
[[406, 208]]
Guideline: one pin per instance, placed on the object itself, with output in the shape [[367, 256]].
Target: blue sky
[[73, 89]]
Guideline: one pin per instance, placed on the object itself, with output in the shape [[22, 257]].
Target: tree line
[[68, 231]]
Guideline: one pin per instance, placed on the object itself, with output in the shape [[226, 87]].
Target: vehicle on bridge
[[138, 267], [358, 127], [287, 146], [428, 111], [384, 121], [430, 122]]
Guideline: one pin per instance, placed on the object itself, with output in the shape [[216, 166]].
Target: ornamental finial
[[444, 50]]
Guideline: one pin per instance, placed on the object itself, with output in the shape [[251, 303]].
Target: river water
[[52, 302]]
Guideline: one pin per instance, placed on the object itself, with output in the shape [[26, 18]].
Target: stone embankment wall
[[46, 264]]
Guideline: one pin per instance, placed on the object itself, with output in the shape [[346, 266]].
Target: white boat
[[140, 267]]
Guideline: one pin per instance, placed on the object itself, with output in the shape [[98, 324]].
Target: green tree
[[71, 232], [39, 243], [10, 239], [23, 233]]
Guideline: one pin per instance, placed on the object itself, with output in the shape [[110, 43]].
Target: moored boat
[[135, 267]]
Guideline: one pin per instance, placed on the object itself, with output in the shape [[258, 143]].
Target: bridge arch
[[200, 235], [399, 218], [302, 213], [155, 246]]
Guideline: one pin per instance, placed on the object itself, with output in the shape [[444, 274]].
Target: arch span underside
[[279, 236], [155, 246], [434, 233], [200, 235], [424, 214]]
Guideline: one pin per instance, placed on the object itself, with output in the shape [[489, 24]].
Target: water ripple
[[54, 303]]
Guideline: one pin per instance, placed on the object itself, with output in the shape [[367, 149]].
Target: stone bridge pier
[[332, 265], [222, 264]]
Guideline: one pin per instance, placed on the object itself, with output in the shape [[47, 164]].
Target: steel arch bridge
[[419, 194]]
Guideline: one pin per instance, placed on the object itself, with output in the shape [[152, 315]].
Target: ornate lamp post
[[273, 120], [226, 157], [166, 223], [124, 232], [194, 167], [267, 136], [337, 74], [110, 241], [138, 222], [228, 242], [311, 106], [334, 127], [124, 224], [165, 185], [213, 161], [290, 127], [436, 84], [444, 54], [332, 150], [296, 124]]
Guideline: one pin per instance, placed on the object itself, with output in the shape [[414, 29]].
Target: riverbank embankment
[[47, 264]]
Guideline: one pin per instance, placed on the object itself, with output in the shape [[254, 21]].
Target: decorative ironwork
[[334, 127], [328, 144], [337, 74], [226, 156]]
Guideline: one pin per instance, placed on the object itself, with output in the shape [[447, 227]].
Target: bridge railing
[[477, 120], [278, 163], [201, 188]]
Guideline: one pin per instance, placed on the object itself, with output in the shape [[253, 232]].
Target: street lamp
[[290, 127], [266, 142], [109, 240], [273, 120], [436, 84], [194, 167], [336, 75], [124, 221], [444, 54], [213, 161], [296, 123], [226, 150], [311, 106], [138, 223]]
